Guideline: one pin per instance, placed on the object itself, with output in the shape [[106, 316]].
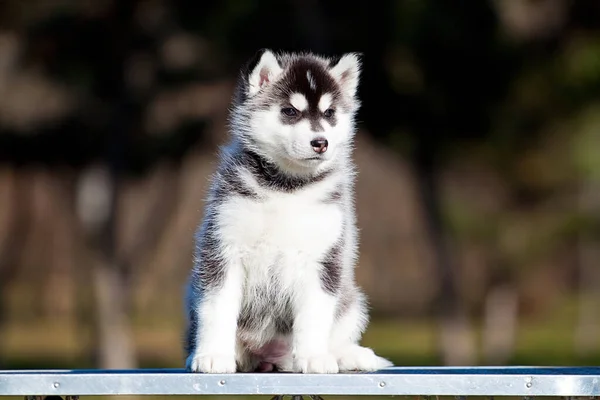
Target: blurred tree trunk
[[99, 191], [456, 341], [155, 222], [587, 330], [114, 341], [11, 246], [98, 209], [58, 291], [500, 321]]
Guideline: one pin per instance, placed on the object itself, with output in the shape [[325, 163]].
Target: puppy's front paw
[[358, 358], [211, 363], [316, 364]]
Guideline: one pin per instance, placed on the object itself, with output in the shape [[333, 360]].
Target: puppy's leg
[[284, 360], [314, 315], [246, 361], [214, 311], [346, 334]]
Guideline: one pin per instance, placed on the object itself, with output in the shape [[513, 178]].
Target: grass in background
[[547, 341]]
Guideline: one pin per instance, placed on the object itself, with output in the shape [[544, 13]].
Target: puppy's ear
[[346, 71], [264, 69]]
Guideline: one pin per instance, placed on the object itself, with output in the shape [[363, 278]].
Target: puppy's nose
[[319, 145]]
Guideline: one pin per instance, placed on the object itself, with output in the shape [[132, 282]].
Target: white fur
[[311, 80], [280, 232], [281, 240], [325, 102], [298, 101], [215, 343]]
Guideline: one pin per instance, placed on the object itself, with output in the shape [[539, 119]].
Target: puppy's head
[[300, 107]]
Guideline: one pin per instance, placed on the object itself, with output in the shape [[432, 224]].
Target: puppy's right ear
[[264, 69], [346, 70]]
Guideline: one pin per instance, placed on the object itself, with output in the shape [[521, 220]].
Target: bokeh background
[[478, 151]]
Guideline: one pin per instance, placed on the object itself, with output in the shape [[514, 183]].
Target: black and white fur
[[273, 286]]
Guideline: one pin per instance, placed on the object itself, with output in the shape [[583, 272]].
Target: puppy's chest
[[280, 229]]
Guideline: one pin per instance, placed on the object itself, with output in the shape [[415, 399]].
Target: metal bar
[[438, 381]]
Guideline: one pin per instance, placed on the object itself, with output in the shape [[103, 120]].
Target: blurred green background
[[478, 192]]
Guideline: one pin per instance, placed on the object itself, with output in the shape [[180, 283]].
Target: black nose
[[319, 145]]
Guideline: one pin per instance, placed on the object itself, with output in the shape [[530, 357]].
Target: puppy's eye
[[329, 113], [289, 111]]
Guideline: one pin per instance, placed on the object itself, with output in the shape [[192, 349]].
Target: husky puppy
[[272, 287]]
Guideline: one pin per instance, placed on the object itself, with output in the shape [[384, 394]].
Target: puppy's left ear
[[346, 72], [264, 71]]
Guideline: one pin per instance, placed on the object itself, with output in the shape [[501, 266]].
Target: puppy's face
[[304, 108]]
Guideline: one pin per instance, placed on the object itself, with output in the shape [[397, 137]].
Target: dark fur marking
[[191, 332], [334, 196], [270, 176], [273, 309], [334, 61], [315, 125], [210, 269], [295, 81], [230, 182], [332, 269]]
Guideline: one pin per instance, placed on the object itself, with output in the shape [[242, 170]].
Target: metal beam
[[441, 381]]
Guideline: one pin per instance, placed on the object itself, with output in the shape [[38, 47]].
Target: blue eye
[[329, 113], [289, 111]]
